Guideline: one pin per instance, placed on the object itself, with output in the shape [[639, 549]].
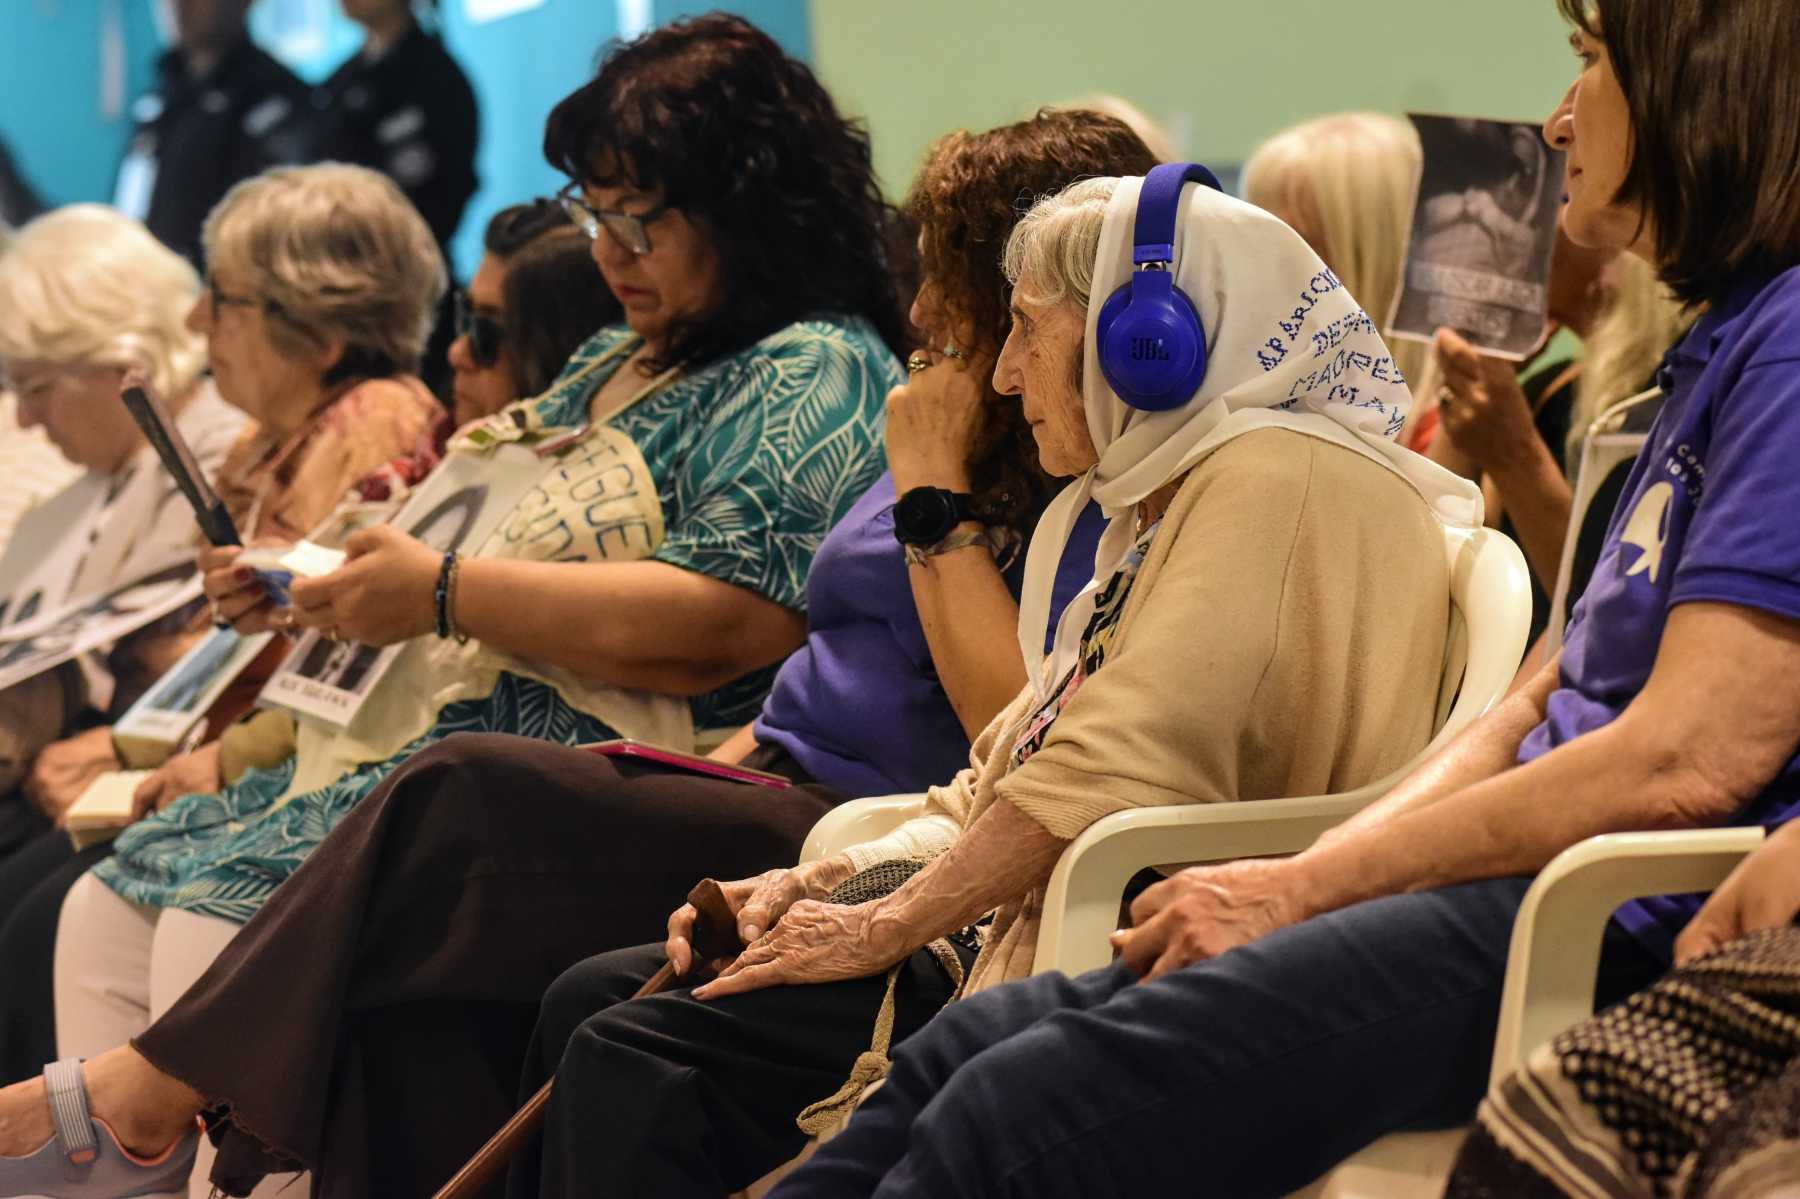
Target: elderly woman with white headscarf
[[1272, 569]]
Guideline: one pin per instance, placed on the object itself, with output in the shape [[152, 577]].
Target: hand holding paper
[[383, 594], [1483, 408]]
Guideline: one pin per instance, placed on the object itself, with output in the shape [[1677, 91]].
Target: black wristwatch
[[925, 515]]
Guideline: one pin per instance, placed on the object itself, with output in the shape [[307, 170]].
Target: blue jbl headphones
[[1152, 347]]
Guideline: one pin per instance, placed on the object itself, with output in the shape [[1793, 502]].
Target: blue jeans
[[1247, 1075]]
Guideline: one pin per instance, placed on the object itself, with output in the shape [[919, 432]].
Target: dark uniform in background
[[410, 114], [18, 202], [195, 138]]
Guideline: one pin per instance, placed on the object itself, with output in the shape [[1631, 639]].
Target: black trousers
[[33, 882], [20, 824], [371, 1021], [672, 1097]]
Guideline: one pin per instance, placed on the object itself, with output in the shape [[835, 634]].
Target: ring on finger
[[917, 361]]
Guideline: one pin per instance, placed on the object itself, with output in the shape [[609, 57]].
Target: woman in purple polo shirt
[[370, 1022], [1270, 1016]]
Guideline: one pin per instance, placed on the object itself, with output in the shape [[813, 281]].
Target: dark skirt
[[371, 1022]]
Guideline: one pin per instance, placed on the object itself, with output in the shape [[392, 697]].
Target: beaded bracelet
[[445, 597]]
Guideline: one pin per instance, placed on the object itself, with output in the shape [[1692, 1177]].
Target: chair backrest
[[1490, 617], [1606, 444], [1490, 620]]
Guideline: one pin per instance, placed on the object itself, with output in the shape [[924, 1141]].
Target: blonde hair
[[1155, 138], [1640, 321], [85, 286], [1051, 253], [337, 252], [1353, 174]]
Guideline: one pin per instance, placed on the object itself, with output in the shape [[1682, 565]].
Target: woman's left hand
[[385, 592], [1199, 913], [1481, 405], [64, 769], [814, 942], [934, 421]]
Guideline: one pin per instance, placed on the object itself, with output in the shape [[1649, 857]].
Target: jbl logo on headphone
[[1148, 349]]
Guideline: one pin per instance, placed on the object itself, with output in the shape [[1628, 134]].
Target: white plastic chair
[[1490, 615], [1550, 971], [1602, 448]]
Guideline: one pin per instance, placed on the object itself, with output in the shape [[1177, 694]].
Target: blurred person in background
[[214, 117], [1344, 182], [402, 106]]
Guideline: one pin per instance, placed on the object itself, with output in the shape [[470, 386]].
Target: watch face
[[924, 516]]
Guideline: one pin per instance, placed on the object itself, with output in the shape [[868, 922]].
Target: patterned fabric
[[753, 458], [1690, 1088], [31, 469], [790, 438], [1096, 639], [222, 854], [379, 427]]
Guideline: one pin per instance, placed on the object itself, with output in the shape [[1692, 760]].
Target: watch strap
[[958, 539]]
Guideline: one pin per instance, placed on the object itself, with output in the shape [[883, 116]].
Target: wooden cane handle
[[715, 936], [715, 924]]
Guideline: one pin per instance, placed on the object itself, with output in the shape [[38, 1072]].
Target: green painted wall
[[1220, 74]]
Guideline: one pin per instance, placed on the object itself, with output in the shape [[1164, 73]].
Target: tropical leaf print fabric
[[222, 854], [754, 459]]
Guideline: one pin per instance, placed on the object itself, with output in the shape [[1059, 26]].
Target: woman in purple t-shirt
[[427, 926]]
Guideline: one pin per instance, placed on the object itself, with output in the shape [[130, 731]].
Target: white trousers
[[119, 966]]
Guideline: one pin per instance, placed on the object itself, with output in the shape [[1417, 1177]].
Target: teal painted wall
[[520, 66], [1219, 74], [50, 90]]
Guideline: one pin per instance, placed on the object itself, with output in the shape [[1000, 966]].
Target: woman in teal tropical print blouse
[[653, 574]]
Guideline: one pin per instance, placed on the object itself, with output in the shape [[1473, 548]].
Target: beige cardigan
[[1284, 636]]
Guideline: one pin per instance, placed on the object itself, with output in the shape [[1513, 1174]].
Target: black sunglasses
[[486, 335]]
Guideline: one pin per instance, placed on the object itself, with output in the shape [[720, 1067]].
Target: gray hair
[[1050, 255], [337, 252]]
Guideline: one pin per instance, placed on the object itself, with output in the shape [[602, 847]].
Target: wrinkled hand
[[758, 903], [1762, 893], [235, 595], [385, 592], [1484, 410], [815, 942], [64, 769], [1203, 911], [935, 421], [195, 773]]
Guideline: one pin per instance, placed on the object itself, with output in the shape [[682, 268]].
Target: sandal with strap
[[84, 1159]]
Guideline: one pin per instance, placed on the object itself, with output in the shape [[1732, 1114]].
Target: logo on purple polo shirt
[[1648, 529]]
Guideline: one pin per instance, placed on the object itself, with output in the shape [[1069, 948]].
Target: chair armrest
[[1081, 903], [1557, 936], [859, 820]]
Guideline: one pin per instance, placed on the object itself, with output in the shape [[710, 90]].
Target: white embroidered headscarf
[[1288, 347]]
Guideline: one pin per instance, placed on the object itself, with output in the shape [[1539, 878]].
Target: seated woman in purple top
[[380, 1005], [861, 706], [1269, 1016]]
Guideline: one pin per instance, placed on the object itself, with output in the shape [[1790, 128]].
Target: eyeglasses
[[486, 335], [224, 299], [629, 229]]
